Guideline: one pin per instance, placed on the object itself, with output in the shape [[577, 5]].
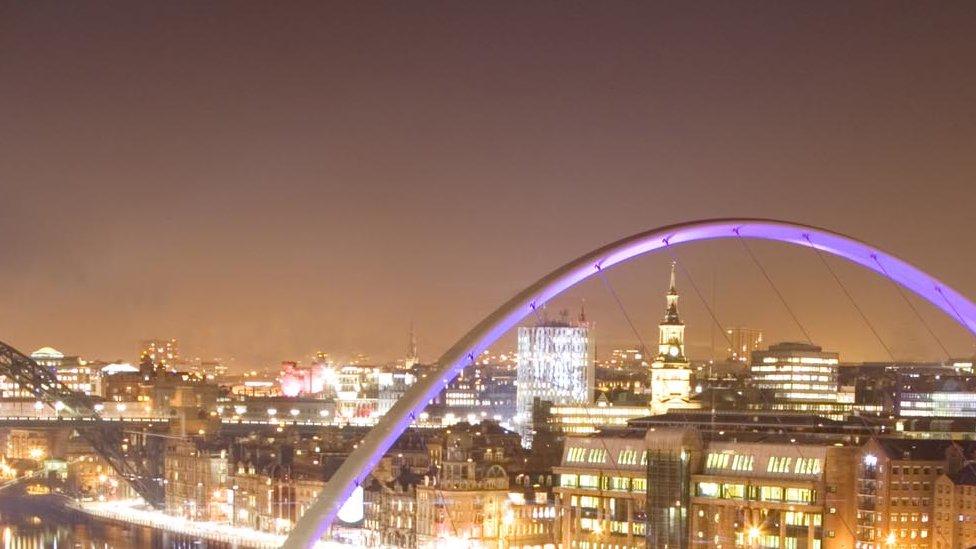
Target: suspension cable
[[711, 313], [854, 303], [620, 305], [776, 290], [912, 306], [953, 307], [850, 297], [698, 292]]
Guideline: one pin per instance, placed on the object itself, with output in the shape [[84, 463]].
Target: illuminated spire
[[674, 285], [671, 313]]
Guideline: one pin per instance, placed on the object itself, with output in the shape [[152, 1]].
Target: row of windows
[[916, 470], [776, 464], [586, 455], [756, 493], [597, 482]]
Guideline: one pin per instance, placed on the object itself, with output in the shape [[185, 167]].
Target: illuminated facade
[[954, 518], [796, 372], [584, 419], [670, 378], [627, 489], [555, 364], [773, 495], [75, 373], [937, 403], [391, 512], [465, 500], [602, 492], [896, 492]]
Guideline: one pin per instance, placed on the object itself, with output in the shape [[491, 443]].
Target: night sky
[[263, 179]]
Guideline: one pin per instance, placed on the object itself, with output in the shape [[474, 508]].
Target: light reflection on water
[[36, 523]]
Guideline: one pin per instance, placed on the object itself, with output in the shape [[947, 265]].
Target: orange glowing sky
[[261, 180]]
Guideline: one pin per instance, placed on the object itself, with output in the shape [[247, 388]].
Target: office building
[[774, 495], [626, 489], [555, 364], [796, 372]]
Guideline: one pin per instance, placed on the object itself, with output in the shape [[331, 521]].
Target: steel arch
[[106, 439], [319, 516]]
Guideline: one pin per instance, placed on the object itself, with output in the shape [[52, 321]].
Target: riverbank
[[132, 512], [46, 521]]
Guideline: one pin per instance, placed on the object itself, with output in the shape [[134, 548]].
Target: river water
[[42, 522]]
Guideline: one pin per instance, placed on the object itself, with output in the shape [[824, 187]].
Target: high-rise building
[[796, 372], [163, 354], [743, 342], [555, 364], [670, 377]]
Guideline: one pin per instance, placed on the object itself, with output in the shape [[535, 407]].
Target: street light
[[754, 533]]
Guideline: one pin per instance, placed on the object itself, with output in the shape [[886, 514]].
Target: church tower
[[670, 372], [671, 331]]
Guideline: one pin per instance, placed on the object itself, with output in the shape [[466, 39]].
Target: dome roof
[[47, 352], [119, 368]]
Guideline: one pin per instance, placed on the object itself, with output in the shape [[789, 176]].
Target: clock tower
[[670, 371]]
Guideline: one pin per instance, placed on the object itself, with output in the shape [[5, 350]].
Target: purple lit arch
[[319, 516]]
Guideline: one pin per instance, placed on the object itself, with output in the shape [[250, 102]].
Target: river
[[43, 523]]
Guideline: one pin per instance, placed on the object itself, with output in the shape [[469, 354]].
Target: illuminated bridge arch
[[358, 465]]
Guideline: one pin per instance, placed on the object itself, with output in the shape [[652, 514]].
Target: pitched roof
[[965, 476]]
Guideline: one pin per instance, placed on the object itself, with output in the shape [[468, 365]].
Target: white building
[[555, 364]]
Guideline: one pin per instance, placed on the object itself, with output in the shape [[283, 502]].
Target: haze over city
[[263, 183], [488, 275]]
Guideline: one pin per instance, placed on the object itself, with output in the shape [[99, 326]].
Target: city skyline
[[265, 183]]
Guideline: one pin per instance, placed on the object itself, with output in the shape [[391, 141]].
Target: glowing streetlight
[[272, 412], [38, 405], [891, 540]]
